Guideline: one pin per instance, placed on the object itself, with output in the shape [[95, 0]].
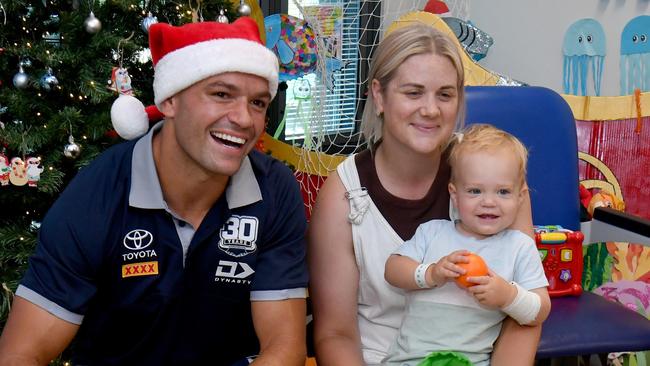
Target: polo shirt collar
[[146, 193]]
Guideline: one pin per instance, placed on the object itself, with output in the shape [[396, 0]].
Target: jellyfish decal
[[584, 49], [635, 55]]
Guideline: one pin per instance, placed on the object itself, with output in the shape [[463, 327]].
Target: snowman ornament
[[34, 171], [18, 174]]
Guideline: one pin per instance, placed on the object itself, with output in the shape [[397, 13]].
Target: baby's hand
[[492, 290], [446, 269]]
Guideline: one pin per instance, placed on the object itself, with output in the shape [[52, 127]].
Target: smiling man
[[185, 247]]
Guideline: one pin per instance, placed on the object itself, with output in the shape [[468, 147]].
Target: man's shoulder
[[268, 166], [104, 174]]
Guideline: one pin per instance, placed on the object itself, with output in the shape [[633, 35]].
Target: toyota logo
[[137, 239]]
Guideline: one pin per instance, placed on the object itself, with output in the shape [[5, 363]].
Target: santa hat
[[185, 55]]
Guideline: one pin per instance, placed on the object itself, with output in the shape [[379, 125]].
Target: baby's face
[[487, 192]]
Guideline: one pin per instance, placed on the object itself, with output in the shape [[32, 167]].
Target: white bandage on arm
[[420, 275], [525, 307]]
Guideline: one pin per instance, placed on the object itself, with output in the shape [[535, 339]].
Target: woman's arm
[[517, 344], [524, 219], [334, 278]]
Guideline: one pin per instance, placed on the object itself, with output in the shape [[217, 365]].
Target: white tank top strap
[[357, 195]]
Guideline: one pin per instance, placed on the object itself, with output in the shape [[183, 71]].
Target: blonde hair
[[484, 137], [399, 45]]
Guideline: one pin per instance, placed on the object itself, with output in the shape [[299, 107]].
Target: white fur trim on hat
[[186, 66]]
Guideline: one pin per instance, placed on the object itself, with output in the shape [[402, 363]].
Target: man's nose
[[239, 113]]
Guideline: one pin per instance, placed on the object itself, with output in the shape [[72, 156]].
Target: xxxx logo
[[140, 269]]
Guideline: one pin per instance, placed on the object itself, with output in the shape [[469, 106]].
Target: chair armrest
[[611, 225]]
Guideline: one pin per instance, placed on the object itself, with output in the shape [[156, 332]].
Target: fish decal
[[474, 41]]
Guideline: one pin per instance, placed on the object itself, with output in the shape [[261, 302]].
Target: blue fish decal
[[474, 41]]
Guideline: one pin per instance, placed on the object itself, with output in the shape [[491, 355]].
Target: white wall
[[528, 36]]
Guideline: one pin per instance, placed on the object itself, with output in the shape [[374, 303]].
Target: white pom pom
[[129, 117]]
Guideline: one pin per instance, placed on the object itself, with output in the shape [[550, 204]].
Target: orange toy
[[476, 267]]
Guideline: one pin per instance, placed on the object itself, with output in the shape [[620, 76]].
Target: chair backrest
[[543, 121]]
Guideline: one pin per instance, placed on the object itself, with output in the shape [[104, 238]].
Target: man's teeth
[[230, 138]]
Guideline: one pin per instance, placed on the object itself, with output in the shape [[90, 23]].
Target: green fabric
[[445, 358]]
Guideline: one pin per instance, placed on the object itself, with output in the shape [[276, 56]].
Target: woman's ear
[[377, 96]]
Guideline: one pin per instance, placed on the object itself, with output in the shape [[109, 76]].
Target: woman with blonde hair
[[376, 199]]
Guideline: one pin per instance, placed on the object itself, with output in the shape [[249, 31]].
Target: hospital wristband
[[420, 275]]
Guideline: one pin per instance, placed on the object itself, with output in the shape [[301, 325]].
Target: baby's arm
[[402, 271], [527, 307]]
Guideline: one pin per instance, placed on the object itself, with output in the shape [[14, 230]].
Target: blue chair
[[542, 120]]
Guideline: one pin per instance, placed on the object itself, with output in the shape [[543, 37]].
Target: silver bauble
[[148, 21], [21, 80], [49, 81], [71, 150], [244, 9], [92, 24], [222, 18]]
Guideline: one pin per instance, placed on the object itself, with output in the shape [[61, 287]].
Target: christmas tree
[[62, 64]]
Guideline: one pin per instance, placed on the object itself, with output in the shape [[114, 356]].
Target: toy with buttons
[[561, 253]]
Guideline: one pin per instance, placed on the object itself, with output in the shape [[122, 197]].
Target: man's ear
[[168, 107]]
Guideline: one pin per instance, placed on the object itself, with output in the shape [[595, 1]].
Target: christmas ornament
[[129, 117], [25, 62], [92, 24], [53, 39], [18, 174], [148, 21], [2, 110], [4, 170], [49, 81], [222, 18], [4, 13], [71, 150], [34, 171], [34, 225], [244, 9], [120, 81], [21, 80]]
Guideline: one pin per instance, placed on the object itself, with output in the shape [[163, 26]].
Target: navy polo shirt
[[149, 289]]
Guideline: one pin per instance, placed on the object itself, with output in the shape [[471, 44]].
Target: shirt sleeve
[[415, 247], [61, 272], [281, 271], [529, 271]]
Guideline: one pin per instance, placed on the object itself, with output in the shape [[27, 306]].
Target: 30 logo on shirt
[[238, 235]]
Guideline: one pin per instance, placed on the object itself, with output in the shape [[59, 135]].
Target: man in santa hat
[[183, 247]]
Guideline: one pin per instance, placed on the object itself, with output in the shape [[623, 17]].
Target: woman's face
[[420, 104]]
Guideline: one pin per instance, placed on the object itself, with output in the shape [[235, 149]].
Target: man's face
[[217, 121]]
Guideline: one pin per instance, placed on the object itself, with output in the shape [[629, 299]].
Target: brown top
[[405, 215]]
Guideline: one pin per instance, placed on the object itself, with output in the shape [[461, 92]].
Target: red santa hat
[[185, 55]]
